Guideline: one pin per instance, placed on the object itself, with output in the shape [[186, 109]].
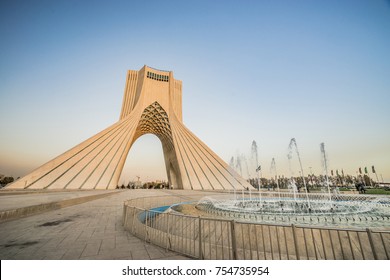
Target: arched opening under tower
[[144, 162], [152, 104]]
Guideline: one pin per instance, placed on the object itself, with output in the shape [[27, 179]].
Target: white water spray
[[325, 168], [293, 144]]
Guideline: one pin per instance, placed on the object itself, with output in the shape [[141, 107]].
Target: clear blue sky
[[268, 71]]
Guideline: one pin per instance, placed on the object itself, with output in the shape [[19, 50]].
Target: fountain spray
[[293, 143], [231, 164], [273, 169], [238, 165], [256, 158], [325, 168]]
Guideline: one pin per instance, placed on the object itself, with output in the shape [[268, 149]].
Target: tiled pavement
[[17, 199], [91, 230]]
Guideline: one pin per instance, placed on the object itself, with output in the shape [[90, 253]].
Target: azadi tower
[[152, 103]]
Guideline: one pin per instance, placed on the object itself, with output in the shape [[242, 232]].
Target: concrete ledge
[[17, 213]]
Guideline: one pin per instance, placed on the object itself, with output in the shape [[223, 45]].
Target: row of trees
[[313, 181], [5, 180], [147, 185]]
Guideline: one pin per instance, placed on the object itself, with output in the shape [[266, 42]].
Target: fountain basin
[[321, 210]]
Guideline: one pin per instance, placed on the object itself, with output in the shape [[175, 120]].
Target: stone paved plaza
[[88, 225], [91, 230]]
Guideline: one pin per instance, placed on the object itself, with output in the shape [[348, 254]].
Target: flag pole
[[373, 171]]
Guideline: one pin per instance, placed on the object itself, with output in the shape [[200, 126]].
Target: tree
[[6, 180]]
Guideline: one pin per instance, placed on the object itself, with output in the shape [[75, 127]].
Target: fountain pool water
[[284, 208]]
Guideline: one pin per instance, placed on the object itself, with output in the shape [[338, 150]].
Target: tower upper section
[[149, 85]]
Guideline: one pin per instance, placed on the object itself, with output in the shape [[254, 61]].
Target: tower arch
[[152, 103]]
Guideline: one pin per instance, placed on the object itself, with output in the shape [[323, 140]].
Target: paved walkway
[[91, 230], [10, 200]]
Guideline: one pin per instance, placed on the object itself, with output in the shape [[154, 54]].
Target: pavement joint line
[[73, 239], [22, 212]]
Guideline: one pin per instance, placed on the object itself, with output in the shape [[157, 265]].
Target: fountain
[[325, 168], [238, 165], [293, 144], [324, 208], [255, 157], [273, 171], [281, 224]]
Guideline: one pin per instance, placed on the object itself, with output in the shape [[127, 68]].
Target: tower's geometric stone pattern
[[152, 103]]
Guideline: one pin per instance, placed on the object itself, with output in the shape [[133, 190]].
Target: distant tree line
[[148, 185], [5, 180]]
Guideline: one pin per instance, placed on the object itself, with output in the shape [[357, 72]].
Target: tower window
[[157, 77]]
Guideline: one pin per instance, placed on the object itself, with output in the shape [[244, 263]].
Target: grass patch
[[377, 191]]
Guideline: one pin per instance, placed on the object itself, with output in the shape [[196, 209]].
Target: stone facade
[[152, 103]]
